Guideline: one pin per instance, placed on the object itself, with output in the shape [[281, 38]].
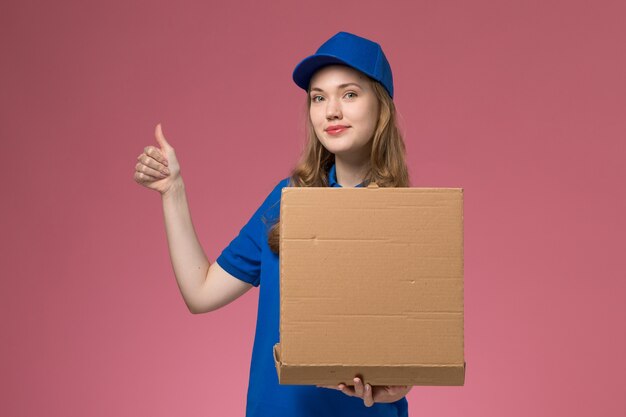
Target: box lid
[[372, 277]]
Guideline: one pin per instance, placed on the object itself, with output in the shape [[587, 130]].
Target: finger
[[368, 398], [358, 387], [150, 171], [154, 153], [347, 390], [145, 159], [160, 138], [142, 178]]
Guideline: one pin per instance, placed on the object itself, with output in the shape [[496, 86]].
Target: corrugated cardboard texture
[[371, 283]]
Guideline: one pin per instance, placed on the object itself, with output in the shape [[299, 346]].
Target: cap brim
[[306, 68]]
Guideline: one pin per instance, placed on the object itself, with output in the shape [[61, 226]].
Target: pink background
[[520, 103]]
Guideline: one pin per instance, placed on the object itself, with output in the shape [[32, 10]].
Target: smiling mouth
[[336, 130]]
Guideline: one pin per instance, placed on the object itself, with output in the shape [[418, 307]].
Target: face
[[344, 111]]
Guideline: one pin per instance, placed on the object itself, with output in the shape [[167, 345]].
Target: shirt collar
[[332, 178]]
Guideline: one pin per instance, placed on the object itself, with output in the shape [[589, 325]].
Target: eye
[[351, 94], [315, 99]]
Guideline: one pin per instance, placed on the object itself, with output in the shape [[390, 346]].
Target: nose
[[333, 109]]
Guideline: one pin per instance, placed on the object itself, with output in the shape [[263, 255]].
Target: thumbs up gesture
[[157, 167]]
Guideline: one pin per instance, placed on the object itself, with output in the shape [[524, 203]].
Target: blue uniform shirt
[[249, 258]]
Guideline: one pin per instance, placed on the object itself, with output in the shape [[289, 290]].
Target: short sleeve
[[242, 257]]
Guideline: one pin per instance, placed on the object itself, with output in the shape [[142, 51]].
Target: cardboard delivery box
[[371, 284]]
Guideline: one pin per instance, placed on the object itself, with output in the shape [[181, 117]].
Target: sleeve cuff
[[236, 272]]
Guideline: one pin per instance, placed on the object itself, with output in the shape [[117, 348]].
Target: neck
[[350, 173]]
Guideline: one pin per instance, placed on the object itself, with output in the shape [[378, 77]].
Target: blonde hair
[[387, 159]]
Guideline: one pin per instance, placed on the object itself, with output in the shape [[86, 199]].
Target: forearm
[[189, 261]]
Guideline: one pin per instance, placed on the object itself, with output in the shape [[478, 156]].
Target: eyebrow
[[340, 86]]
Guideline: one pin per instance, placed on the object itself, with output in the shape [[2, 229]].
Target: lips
[[336, 129]]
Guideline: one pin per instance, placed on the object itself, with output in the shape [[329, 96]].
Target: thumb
[[158, 133]]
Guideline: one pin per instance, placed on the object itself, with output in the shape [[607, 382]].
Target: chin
[[337, 144], [337, 149]]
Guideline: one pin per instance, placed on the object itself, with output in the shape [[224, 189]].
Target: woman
[[353, 139]]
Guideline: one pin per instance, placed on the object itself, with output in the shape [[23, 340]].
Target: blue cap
[[351, 50]]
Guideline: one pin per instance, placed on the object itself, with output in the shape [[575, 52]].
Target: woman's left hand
[[371, 395]]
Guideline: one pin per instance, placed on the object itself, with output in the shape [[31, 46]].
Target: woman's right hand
[[157, 167]]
